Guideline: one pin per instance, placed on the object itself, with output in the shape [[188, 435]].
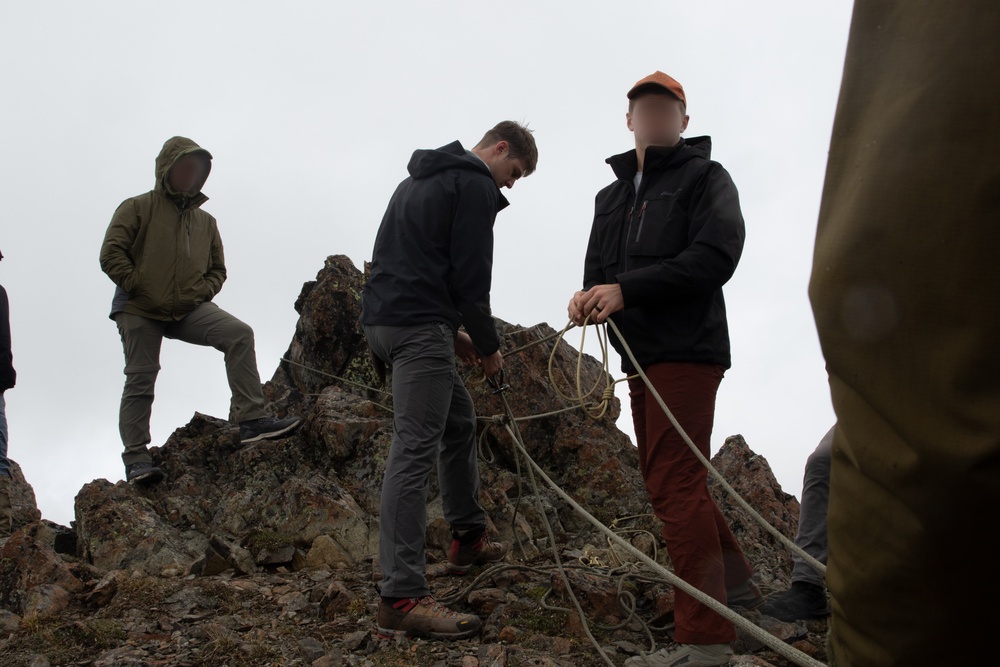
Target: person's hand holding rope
[[598, 303], [465, 350], [492, 364]]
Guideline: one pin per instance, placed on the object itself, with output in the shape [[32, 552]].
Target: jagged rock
[[337, 599], [305, 508], [9, 621], [333, 659], [120, 528], [105, 589], [45, 600], [751, 477], [326, 551], [22, 498], [27, 564], [311, 648]]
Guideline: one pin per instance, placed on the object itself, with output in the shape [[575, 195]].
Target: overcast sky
[[311, 110]]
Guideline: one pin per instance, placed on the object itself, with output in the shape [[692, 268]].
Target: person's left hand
[[604, 299], [465, 350]]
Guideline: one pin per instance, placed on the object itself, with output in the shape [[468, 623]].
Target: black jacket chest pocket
[[659, 226], [609, 219]]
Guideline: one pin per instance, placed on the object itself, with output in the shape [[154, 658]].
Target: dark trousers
[[205, 325], [434, 422]]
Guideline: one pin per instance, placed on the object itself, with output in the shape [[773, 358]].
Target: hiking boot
[[745, 596], [143, 473], [802, 602], [424, 617], [476, 551], [267, 427], [685, 655]]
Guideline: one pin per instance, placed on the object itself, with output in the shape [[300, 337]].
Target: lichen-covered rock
[[266, 553]]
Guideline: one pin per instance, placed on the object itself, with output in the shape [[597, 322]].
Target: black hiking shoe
[[267, 427], [143, 473], [802, 602], [745, 596]]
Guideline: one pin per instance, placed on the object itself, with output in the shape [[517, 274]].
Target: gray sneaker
[[267, 427], [685, 655], [143, 473]]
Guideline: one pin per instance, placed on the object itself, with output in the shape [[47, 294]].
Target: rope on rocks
[[766, 638], [515, 433], [509, 422], [598, 410], [819, 567]]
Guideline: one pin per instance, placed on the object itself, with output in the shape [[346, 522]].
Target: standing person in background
[[8, 377], [806, 598], [164, 254], [431, 273], [667, 235]]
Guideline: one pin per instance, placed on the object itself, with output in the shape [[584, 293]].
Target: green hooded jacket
[[162, 251]]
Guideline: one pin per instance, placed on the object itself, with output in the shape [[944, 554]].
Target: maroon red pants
[[702, 549]]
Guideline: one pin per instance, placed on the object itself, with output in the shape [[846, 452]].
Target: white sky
[[312, 109]]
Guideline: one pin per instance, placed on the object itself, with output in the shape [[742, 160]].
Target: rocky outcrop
[[22, 498], [264, 553]]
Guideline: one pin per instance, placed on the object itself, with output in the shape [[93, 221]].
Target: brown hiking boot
[[425, 618], [463, 556]]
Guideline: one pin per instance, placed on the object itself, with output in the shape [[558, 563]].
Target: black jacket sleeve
[[470, 274], [7, 374], [715, 242], [593, 271]]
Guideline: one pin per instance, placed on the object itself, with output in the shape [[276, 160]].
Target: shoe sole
[[748, 605], [791, 618], [464, 569], [272, 434], [147, 478], [387, 633]]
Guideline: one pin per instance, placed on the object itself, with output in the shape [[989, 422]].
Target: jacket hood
[[625, 165], [427, 162], [174, 149]]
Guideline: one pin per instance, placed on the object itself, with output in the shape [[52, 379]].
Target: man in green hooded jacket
[[164, 254]]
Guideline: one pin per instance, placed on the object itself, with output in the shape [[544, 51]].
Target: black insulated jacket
[[671, 246], [433, 255]]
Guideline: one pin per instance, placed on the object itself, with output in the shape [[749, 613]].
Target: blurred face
[[657, 120], [505, 170], [189, 173]]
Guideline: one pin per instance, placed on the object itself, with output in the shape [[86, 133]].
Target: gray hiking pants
[[811, 536], [205, 325], [434, 421]]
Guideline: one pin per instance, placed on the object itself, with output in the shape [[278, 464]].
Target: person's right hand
[[491, 364], [575, 308]]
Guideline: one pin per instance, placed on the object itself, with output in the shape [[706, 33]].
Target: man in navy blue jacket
[[431, 274]]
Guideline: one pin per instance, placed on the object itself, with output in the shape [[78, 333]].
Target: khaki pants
[[906, 294], [205, 325]]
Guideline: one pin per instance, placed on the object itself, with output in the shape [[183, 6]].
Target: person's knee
[[236, 333]]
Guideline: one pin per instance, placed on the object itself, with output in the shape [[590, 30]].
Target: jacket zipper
[[624, 241], [642, 216]]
